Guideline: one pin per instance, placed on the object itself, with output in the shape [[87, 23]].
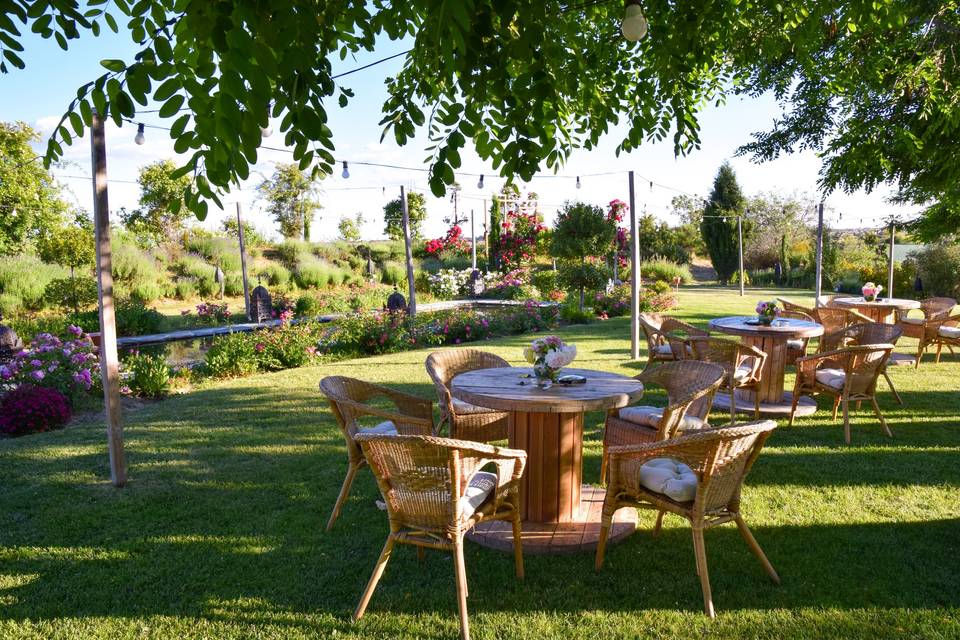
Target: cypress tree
[[496, 221], [720, 233]]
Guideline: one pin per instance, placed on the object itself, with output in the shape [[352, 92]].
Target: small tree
[[581, 231], [290, 200], [70, 246], [493, 236], [251, 237], [350, 226], [393, 216], [719, 223], [161, 215]]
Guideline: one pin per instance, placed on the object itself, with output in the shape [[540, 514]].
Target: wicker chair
[[833, 320], [796, 347], [926, 330], [690, 387], [435, 493], [719, 460], [826, 300], [742, 364], [466, 421], [662, 347], [866, 333], [352, 401], [790, 305], [848, 374]]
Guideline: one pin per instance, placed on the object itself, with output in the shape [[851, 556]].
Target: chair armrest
[[409, 403], [859, 316], [672, 324]]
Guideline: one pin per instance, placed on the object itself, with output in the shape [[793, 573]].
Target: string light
[[578, 182], [140, 138], [634, 26], [480, 182], [346, 171]]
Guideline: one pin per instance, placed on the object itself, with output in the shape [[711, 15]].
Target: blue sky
[[40, 93]]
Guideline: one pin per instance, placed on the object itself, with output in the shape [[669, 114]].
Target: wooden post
[[109, 365], [819, 276], [740, 249], [412, 300], [634, 276], [473, 243], [243, 264], [486, 235], [893, 230]]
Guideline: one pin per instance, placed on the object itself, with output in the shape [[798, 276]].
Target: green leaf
[[114, 65], [171, 106]]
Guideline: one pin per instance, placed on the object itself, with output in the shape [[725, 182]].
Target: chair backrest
[[798, 315], [729, 354], [825, 300], [721, 458], [651, 324], [872, 333], [937, 308], [422, 478], [863, 365], [690, 387], [789, 305], [833, 320], [444, 366]]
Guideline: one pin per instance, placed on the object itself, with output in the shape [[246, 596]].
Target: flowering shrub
[[241, 354], [212, 312], [616, 302], [448, 284], [513, 285], [519, 236], [616, 211], [453, 242], [70, 366], [33, 409]]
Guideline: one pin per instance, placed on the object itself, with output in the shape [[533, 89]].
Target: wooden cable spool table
[[883, 310], [560, 513], [772, 340]]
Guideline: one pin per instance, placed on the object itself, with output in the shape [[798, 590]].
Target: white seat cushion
[[916, 321], [385, 428], [831, 377], [670, 477], [795, 344], [742, 372], [465, 408], [479, 490], [651, 417], [664, 350], [949, 332]]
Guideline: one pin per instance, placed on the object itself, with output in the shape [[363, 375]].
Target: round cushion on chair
[[831, 377], [670, 477], [386, 428], [949, 332], [478, 491], [914, 321], [651, 416], [465, 408]]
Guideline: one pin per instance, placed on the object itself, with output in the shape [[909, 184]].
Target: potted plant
[[767, 311]]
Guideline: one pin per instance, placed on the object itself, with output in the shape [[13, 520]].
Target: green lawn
[[220, 531]]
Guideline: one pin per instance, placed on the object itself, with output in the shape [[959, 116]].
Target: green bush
[[26, 277], [146, 291], [938, 266], [71, 294], [185, 288], [221, 250], [149, 375], [456, 262], [735, 278], [308, 305], [9, 304], [233, 286], [666, 270], [275, 274], [230, 356], [570, 313], [546, 280], [293, 252], [393, 273], [314, 274]]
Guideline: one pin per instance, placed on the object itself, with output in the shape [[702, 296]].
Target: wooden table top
[[880, 303], [501, 389], [785, 328]]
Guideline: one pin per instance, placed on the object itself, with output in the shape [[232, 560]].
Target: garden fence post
[[243, 264], [109, 366], [819, 287], [411, 288], [634, 276], [740, 249], [893, 230], [473, 243]]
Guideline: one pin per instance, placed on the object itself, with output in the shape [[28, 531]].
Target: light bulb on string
[[266, 132], [578, 182], [634, 26], [651, 185], [480, 182], [140, 138], [346, 171]]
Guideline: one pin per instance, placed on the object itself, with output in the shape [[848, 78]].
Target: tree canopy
[[416, 214], [870, 83], [718, 224], [161, 215], [289, 195]]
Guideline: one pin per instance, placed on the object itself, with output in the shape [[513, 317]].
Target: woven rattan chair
[[848, 374], [661, 345], [690, 386], [719, 460], [354, 402], [948, 335], [435, 493], [826, 300], [742, 364], [833, 320], [866, 333], [466, 421], [790, 305], [796, 347], [926, 330]]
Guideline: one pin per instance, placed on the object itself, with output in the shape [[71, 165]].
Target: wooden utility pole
[[473, 243], [109, 363], [412, 300], [243, 264], [486, 234], [634, 276], [740, 249], [893, 230], [819, 270]]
